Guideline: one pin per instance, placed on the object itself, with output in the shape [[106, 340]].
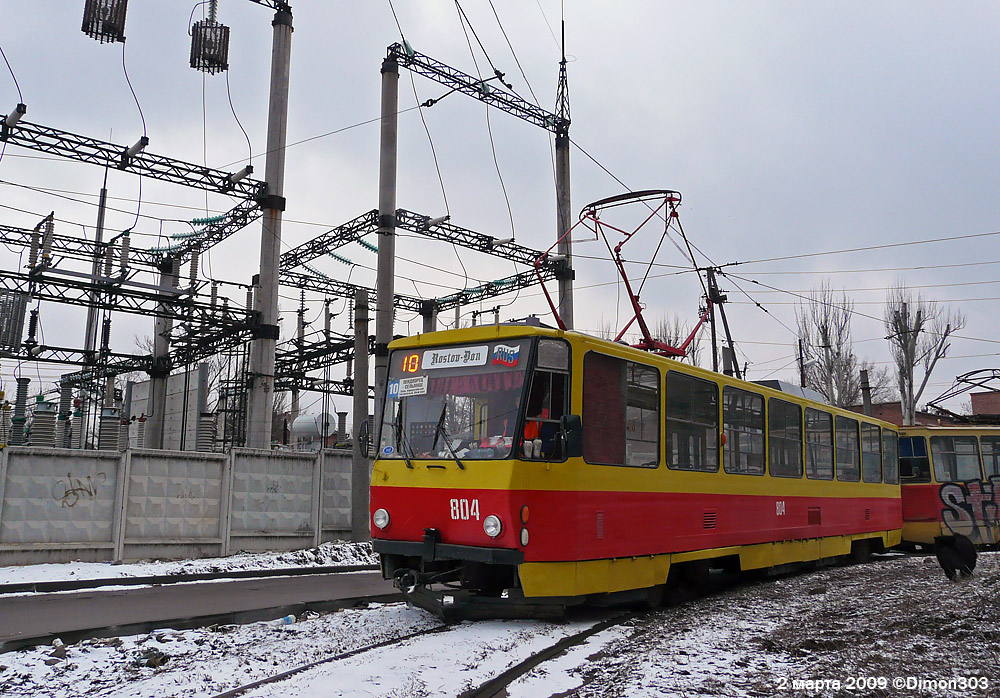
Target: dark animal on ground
[[956, 554]]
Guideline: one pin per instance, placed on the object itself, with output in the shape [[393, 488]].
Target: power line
[[866, 249]]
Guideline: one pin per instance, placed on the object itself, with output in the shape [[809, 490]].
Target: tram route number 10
[[464, 509]]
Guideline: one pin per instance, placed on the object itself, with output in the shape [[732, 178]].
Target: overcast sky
[[789, 128]]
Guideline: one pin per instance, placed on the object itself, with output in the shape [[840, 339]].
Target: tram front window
[[459, 401]]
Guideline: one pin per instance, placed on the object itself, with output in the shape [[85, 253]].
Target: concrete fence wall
[[58, 505]]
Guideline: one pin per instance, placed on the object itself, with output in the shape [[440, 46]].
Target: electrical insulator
[[33, 251], [193, 273], [109, 259], [50, 225], [215, 295], [30, 343], [124, 259], [106, 335]]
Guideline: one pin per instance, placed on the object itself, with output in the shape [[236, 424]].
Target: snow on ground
[[895, 620], [327, 554], [446, 664], [892, 623], [199, 662]]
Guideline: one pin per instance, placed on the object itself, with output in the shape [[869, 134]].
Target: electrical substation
[[152, 405]]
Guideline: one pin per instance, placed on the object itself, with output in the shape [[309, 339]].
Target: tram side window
[[991, 455], [784, 438], [621, 412], [890, 457], [914, 466], [955, 458], [692, 423], [743, 424], [847, 449], [871, 453], [546, 405], [819, 445]]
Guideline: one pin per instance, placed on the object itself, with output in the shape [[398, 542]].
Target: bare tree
[[216, 366], [673, 331], [918, 333], [831, 367]]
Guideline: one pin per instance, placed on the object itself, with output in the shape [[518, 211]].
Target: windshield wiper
[[439, 430], [401, 443], [440, 425]]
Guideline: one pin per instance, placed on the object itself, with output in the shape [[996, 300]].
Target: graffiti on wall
[[972, 508], [70, 490]]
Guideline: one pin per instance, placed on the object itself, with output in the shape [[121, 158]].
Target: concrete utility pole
[[429, 315], [90, 339], [261, 393], [156, 405], [386, 229], [300, 335], [564, 204], [360, 474]]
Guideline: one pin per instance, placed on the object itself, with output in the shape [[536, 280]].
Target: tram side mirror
[[365, 440], [572, 427]]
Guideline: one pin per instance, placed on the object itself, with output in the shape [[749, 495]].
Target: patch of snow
[[327, 554]]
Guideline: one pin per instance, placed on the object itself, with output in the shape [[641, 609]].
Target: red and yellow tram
[[523, 469], [951, 483]]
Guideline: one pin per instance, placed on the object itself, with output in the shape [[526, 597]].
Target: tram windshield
[[458, 401]]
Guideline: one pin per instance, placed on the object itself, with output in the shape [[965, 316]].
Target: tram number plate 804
[[464, 509]]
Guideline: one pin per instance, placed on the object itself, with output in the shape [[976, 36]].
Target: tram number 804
[[464, 509]]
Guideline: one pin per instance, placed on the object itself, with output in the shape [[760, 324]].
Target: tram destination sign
[[456, 358]]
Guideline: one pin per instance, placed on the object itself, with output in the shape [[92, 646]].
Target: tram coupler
[[453, 605]]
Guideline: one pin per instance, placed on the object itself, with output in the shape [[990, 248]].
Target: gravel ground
[[874, 630]]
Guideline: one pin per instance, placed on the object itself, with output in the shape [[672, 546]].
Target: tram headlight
[[492, 526], [380, 518]]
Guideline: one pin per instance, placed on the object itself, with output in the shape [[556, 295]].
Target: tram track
[[240, 690]]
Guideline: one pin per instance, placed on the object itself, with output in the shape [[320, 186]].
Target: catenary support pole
[[563, 202], [261, 378], [360, 473], [563, 215], [386, 228]]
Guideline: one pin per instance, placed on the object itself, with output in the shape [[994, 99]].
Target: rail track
[[240, 690]]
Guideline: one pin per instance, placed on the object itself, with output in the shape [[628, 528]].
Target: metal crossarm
[[495, 288], [318, 385], [494, 96], [276, 5], [341, 289], [316, 355], [98, 152], [332, 239], [127, 299], [74, 248], [231, 222], [416, 223]]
